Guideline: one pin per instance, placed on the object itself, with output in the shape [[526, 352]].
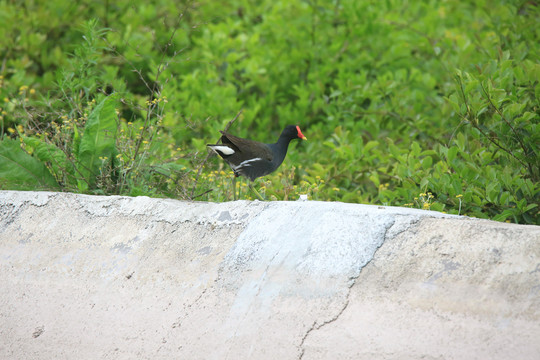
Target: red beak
[[300, 135]]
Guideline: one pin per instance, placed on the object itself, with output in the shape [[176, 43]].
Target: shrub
[[404, 104]]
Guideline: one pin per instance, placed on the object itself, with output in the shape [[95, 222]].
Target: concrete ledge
[[122, 278]]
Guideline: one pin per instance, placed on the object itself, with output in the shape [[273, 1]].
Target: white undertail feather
[[225, 150]]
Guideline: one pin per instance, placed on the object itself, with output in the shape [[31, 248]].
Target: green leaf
[[98, 139], [374, 177], [427, 162], [503, 216], [492, 191], [394, 150], [415, 149], [460, 142], [50, 154], [451, 155], [504, 198], [21, 171], [370, 145], [330, 144]]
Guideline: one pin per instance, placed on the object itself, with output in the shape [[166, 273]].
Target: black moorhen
[[253, 159]]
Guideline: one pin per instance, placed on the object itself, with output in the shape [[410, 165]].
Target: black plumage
[[253, 159]]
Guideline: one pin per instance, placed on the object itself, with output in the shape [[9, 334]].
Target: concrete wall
[[90, 277]]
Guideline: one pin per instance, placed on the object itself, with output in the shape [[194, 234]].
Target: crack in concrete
[[301, 346], [352, 280], [316, 326]]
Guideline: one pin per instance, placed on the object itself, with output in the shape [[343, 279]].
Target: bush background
[[431, 104]]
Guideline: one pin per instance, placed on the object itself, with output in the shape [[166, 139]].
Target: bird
[[252, 159]]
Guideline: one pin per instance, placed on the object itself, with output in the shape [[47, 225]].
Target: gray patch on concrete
[[205, 250], [322, 243], [225, 216]]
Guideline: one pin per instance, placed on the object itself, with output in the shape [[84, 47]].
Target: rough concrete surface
[[91, 277]]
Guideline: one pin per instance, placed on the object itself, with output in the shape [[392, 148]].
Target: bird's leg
[[255, 191], [234, 187]]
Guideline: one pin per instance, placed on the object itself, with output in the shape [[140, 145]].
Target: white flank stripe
[[248, 162], [244, 163], [223, 149]]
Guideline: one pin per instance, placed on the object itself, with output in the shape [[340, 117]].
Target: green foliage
[[405, 104], [20, 171], [52, 156], [97, 146], [76, 133], [79, 80]]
